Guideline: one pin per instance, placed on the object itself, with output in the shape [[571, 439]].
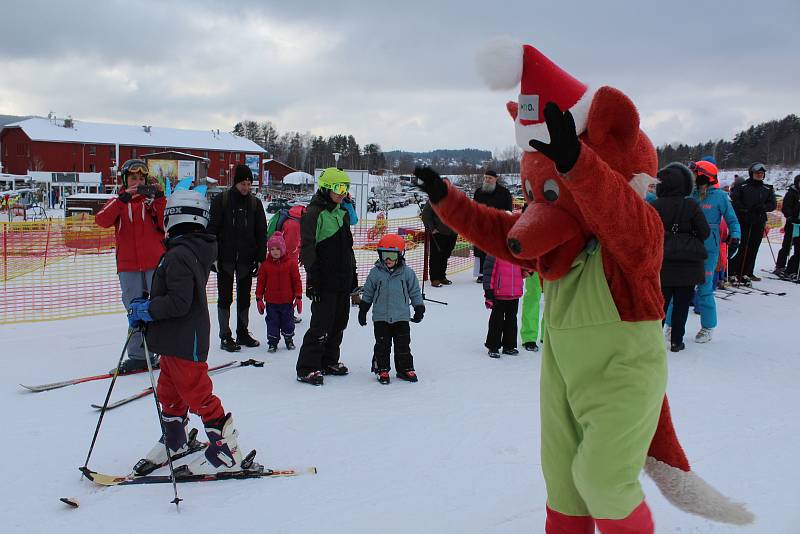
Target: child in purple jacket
[[502, 289]]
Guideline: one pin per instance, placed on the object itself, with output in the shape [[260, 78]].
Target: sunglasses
[[388, 255]]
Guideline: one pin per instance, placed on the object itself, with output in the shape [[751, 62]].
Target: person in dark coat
[[326, 252], [442, 241], [791, 210], [497, 196], [751, 200], [178, 328], [682, 215], [239, 222]]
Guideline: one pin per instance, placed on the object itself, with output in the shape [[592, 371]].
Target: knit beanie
[[242, 173], [276, 240]]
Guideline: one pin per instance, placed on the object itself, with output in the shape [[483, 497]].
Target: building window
[[112, 152], [222, 173], [222, 156], [133, 153], [205, 154], [92, 168], [21, 149], [92, 150]]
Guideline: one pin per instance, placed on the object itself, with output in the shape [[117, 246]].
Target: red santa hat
[[504, 63]]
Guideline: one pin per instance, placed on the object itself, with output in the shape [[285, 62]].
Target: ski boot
[[135, 365], [272, 347], [289, 342], [222, 454], [511, 352], [676, 347], [754, 278], [314, 378], [704, 335], [531, 346], [667, 332], [409, 375], [246, 340], [177, 441], [336, 369], [383, 377], [494, 353]]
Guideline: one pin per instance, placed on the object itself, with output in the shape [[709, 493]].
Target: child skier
[[178, 328], [279, 284], [502, 288], [390, 286]]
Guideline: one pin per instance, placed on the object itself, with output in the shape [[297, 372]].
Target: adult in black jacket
[[751, 200], [326, 252], [442, 241], [239, 223], [495, 195], [684, 216], [791, 210]]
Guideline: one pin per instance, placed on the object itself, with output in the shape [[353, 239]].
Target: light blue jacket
[[390, 292], [717, 206]]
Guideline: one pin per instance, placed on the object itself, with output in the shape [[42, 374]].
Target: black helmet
[[133, 165], [756, 167]]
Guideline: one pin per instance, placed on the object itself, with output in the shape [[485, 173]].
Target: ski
[[72, 382], [145, 467], [767, 292], [211, 371], [182, 474]]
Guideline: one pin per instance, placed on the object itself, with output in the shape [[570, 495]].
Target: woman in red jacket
[[138, 222], [279, 284]]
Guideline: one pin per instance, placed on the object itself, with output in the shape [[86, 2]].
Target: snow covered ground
[[457, 452]]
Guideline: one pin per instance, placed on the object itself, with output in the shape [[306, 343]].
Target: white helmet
[[186, 206]]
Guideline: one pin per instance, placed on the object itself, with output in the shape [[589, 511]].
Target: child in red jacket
[[280, 286]]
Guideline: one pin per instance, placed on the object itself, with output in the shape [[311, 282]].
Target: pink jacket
[[502, 280]]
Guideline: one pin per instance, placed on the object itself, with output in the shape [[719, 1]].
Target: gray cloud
[[399, 74]]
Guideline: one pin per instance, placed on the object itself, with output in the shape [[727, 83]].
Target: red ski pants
[[184, 385]]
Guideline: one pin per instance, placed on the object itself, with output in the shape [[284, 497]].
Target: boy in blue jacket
[[390, 286]]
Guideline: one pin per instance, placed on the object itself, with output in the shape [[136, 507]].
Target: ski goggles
[[388, 255], [759, 168], [138, 167], [340, 188]]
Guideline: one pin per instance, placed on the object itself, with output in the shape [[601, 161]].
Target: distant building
[[274, 171], [70, 146]]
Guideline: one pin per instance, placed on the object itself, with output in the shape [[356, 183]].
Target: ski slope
[[457, 452]]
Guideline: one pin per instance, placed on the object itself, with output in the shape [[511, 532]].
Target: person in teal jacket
[[716, 206]]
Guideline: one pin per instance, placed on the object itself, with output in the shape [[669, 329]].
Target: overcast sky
[[397, 73]]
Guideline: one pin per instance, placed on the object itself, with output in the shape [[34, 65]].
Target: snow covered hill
[[457, 452]]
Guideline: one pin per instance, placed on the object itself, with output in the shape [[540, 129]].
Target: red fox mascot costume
[[598, 246]]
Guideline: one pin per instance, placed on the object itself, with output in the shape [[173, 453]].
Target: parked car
[[279, 204]]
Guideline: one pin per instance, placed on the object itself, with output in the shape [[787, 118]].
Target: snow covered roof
[[42, 129]]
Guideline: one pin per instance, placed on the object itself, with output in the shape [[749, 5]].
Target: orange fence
[[65, 268]]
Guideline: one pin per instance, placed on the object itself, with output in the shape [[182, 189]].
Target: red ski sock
[[638, 522], [558, 523]]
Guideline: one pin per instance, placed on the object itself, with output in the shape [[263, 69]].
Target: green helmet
[[334, 179]]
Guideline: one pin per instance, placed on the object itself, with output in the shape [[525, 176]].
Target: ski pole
[[177, 499], [766, 234], [83, 469]]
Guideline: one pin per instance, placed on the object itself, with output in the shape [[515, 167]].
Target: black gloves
[[429, 181], [312, 294], [733, 245], [564, 147], [419, 313], [124, 197], [363, 308]]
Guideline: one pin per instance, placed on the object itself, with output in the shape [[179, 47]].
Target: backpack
[[276, 221]]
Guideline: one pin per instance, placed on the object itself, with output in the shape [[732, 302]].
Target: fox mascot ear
[[512, 108], [612, 116]]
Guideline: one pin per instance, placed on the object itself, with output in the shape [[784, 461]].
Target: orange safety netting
[[65, 268]]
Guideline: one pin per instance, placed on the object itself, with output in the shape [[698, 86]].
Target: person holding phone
[[138, 221]]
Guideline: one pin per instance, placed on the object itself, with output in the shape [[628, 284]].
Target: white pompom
[[500, 63]]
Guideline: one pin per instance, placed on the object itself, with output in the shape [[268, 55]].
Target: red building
[[66, 145]]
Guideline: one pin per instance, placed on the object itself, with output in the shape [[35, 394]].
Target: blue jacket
[[716, 206], [390, 292]]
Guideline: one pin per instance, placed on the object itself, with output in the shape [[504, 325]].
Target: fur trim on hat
[[500, 63]]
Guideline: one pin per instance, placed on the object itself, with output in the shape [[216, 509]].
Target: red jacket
[[139, 231], [291, 232], [279, 281]]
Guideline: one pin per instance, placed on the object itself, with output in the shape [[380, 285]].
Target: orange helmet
[[392, 242], [708, 170]]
